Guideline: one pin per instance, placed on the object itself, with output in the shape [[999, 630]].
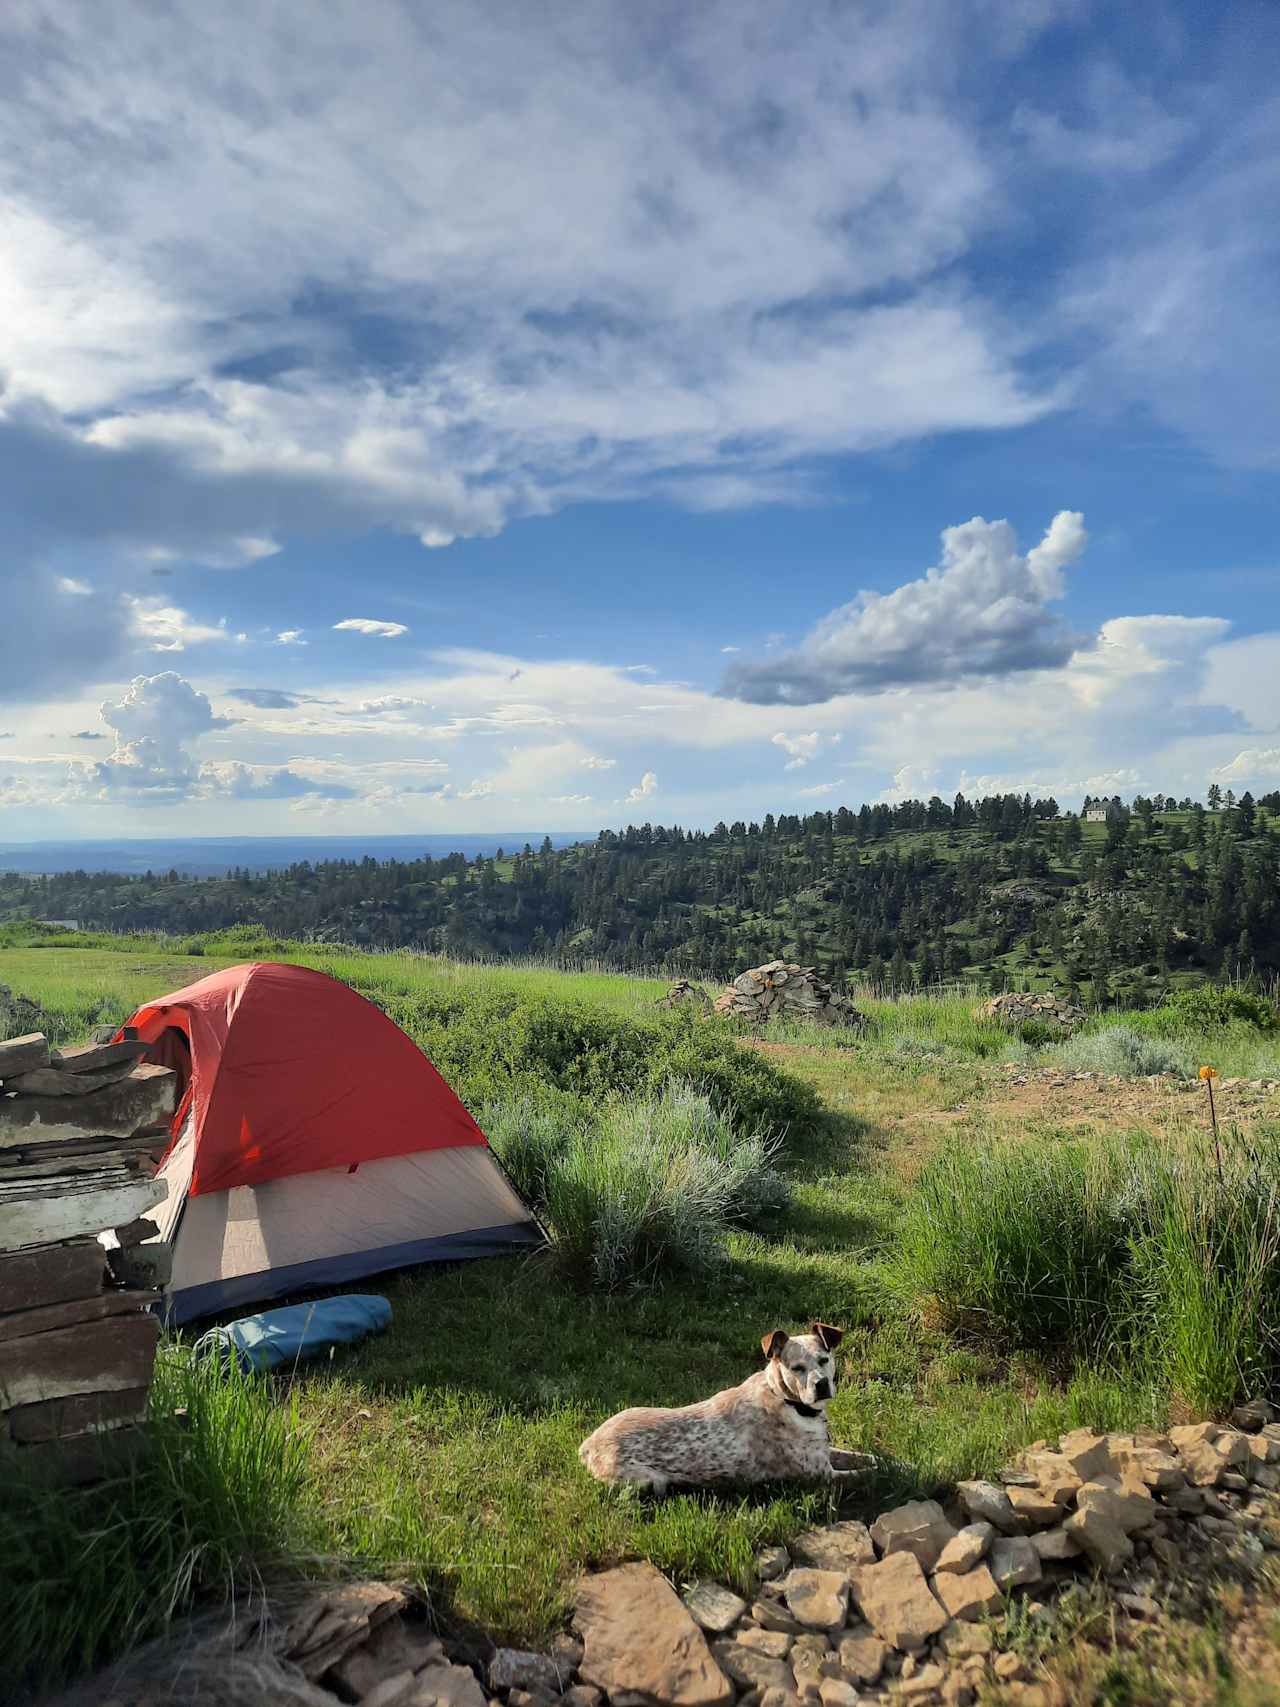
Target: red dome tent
[[313, 1143]]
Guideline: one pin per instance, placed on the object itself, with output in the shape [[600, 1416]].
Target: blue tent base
[[217, 1295]]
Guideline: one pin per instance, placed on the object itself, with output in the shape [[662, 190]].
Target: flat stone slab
[[143, 1101], [639, 1639], [837, 1547], [715, 1608], [23, 1054], [94, 1057], [896, 1601]]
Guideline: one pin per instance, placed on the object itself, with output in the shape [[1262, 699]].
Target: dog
[[772, 1427]]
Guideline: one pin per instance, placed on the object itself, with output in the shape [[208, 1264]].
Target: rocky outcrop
[[1017, 1007], [779, 988]]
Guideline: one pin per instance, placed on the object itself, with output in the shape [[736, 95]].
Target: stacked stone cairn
[[778, 988], [682, 992], [80, 1133], [1017, 1007]]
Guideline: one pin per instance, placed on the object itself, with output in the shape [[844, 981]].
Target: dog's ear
[[828, 1337], [773, 1343]]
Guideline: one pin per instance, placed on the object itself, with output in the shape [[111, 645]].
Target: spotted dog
[[773, 1426]]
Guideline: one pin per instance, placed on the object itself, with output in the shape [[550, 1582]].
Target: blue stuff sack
[[274, 1339]]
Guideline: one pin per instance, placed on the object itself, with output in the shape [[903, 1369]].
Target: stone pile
[[683, 991], [777, 988], [1016, 1007], [80, 1133]]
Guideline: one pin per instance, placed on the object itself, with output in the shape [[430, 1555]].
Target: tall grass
[[1126, 1053], [213, 1506], [645, 1191], [1164, 1258]]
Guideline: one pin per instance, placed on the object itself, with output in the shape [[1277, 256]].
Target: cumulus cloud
[[980, 612], [238, 781], [803, 748], [1254, 764], [477, 790], [368, 625], [570, 799], [647, 785], [594, 763], [819, 788], [289, 637], [154, 722], [74, 589]]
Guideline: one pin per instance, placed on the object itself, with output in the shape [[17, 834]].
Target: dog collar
[[804, 1410]]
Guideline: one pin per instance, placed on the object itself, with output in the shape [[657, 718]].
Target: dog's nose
[[822, 1390]]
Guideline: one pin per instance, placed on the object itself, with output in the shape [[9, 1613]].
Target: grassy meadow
[[1000, 1276]]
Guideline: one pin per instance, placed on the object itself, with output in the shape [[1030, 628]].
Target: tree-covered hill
[[1006, 889]]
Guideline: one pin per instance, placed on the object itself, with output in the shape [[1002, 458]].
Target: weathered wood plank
[[94, 1357], [46, 1317], [24, 1054], [52, 1218], [85, 1458], [93, 1057], [142, 1101], [51, 1275], [84, 1413]]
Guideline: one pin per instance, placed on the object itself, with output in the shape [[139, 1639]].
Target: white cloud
[[477, 790], [166, 628], [570, 799], [73, 588], [731, 648], [818, 788], [154, 723], [648, 785], [594, 763], [981, 612], [802, 748], [1253, 764], [290, 637], [368, 625]]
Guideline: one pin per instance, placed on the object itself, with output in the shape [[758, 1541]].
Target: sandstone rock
[[1232, 1446], [966, 1548], [566, 1651], [862, 1655], [773, 1615], [1088, 1454], [960, 1639], [772, 1562], [1139, 1605], [1156, 1469], [1251, 1417], [1036, 1508], [956, 1691], [922, 1686], [1011, 1668], [838, 1547], [638, 1637], [449, 1685], [1186, 1502], [390, 1691], [776, 1644], [1263, 1450], [1017, 1007], [1106, 1544], [1053, 1475], [896, 1601], [749, 1669], [1194, 1434], [779, 1698], [969, 1595], [835, 1692], [94, 1057], [715, 1608], [779, 987], [817, 1598], [529, 1698], [516, 1668], [23, 1054], [1127, 1507], [1054, 1546], [579, 1695], [1014, 1562], [143, 1101], [920, 1527], [987, 1503]]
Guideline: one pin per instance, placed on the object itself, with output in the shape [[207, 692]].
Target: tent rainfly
[[313, 1143]]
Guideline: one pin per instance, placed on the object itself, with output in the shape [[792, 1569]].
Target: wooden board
[[52, 1218], [44, 1318], [51, 1275], [84, 1413], [94, 1357]]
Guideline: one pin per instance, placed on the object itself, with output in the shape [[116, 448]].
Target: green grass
[[446, 1449]]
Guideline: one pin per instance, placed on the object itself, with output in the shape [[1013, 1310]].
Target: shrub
[[645, 1191], [1018, 1244], [491, 1044], [1209, 1006], [1127, 1053]]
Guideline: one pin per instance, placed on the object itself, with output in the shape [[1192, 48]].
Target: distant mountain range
[[213, 856]]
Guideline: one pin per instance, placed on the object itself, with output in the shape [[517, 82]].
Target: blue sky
[[456, 416]]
